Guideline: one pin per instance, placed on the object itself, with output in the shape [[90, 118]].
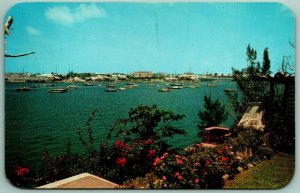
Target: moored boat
[[110, 90], [176, 85], [88, 84], [211, 85], [23, 89], [111, 86], [72, 86], [58, 90], [165, 90]]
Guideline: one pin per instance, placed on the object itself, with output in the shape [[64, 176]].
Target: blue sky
[[157, 37]]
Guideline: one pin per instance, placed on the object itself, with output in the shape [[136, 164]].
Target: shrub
[[197, 167], [140, 139]]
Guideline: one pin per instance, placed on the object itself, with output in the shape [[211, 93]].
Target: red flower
[[22, 171], [151, 153], [179, 161], [191, 149], [127, 147], [224, 159], [196, 181], [208, 162], [225, 148], [121, 144], [121, 162], [229, 167], [180, 177], [156, 161], [219, 151], [148, 142], [177, 173]]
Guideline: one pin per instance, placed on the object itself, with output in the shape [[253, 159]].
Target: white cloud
[[32, 31], [63, 15]]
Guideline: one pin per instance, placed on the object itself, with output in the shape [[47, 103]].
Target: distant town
[[93, 77]]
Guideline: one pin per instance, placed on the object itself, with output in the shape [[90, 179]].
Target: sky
[[158, 37]]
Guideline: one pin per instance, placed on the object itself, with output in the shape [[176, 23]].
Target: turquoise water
[[38, 120]]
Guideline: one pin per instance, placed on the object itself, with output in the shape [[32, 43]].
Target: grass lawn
[[270, 174]]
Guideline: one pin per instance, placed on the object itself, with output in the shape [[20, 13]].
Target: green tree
[[135, 142], [253, 65], [147, 122], [248, 82], [213, 115], [279, 131], [266, 63]]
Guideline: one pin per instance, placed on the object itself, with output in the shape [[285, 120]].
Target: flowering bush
[[197, 167], [140, 140], [19, 176]]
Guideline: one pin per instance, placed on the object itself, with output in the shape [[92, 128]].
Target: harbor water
[[37, 120]]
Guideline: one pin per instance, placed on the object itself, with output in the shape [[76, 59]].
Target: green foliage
[[197, 167], [244, 139], [147, 123], [266, 63], [213, 115], [280, 132], [141, 138], [282, 136]]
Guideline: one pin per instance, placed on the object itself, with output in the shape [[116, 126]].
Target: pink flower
[[180, 177], [177, 156], [179, 161], [196, 181], [191, 149], [164, 156], [164, 177], [165, 186], [156, 161], [197, 164], [177, 173], [219, 151]]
